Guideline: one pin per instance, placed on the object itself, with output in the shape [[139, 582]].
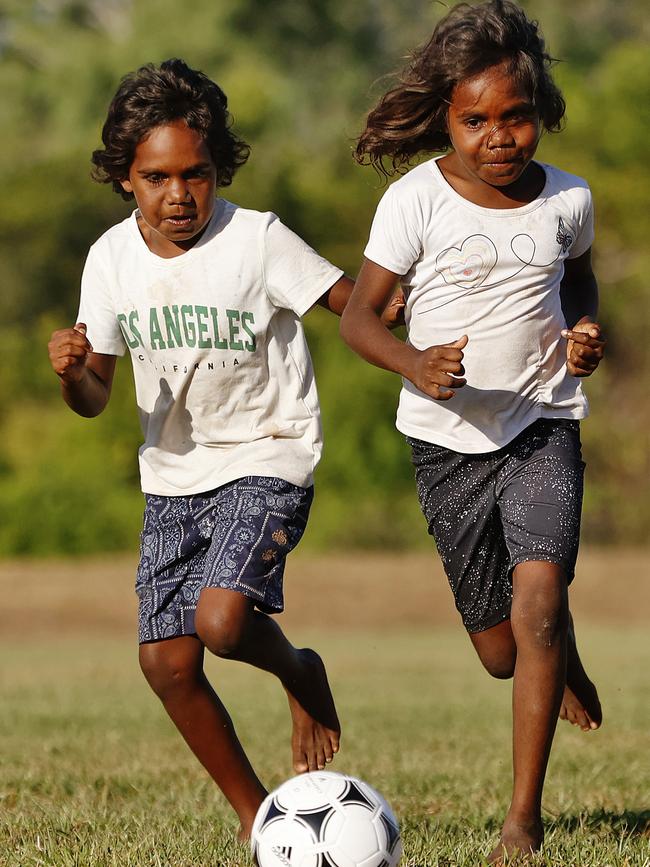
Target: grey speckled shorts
[[488, 512], [236, 537]]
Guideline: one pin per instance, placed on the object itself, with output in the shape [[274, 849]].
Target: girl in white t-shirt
[[492, 250], [207, 299]]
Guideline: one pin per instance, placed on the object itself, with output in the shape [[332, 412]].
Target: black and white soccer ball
[[323, 819]]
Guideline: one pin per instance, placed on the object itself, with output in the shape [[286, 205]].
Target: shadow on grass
[[634, 823]]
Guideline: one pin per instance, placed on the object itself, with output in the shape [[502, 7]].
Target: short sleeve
[[395, 240], [295, 276], [585, 226], [97, 311]]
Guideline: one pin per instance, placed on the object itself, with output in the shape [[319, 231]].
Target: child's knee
[[544, 626], [502, 667], [496, 649], [167, 672], [540, 608], [222, 628], [220, 637]]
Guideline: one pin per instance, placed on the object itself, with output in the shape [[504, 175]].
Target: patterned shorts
[[488, 512], [236, 537]]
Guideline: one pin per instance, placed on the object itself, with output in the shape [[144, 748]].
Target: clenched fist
[[68, 349]]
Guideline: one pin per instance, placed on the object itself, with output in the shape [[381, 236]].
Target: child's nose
[[179, 190], [499, 135]]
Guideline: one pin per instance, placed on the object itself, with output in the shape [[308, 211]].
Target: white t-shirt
[[223, 376], [495, 276]]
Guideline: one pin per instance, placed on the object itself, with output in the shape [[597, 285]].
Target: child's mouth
[[509, 162], [181, 222]]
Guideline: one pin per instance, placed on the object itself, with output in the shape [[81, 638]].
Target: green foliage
[[299, 78]]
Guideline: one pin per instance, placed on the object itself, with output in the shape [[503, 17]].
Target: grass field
[[92, 773]]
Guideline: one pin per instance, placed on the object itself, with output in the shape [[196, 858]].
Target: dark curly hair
[[412, 117], [153, 96]]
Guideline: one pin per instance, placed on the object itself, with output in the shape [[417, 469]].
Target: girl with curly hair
[[493, 252]]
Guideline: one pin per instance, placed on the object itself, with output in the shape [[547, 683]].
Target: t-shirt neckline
[[442, 182], [170, 262]]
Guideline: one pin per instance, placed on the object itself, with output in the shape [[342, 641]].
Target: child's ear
[[127, 186]]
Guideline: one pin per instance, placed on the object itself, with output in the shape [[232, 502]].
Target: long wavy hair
[[154, 96], [411, 118]]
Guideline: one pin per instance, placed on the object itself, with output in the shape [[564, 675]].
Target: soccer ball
[[322, 819]]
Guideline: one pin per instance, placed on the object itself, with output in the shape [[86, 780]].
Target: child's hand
[[68, 351], [585, 347], [438, 370], [393, 314]]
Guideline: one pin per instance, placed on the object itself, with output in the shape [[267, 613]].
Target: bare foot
[[580, 703], [316, 729], [518, 841], [575, 709], [246, 822]]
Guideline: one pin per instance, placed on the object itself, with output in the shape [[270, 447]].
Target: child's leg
[[238, 537], [174, 670], [229, 626], [497, 651], [539, 623], [487, 512]]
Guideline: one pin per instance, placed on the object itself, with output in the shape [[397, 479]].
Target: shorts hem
[[544, 557], [167, 638], [494, 620], [250, 593], [260, 604]]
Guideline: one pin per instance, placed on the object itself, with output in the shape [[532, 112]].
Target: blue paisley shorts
[[236, 537]]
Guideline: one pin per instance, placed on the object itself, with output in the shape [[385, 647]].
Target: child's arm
[[338, 295], [579, 296], [86, 377], [436, 371]]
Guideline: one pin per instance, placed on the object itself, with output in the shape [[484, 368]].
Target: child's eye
[[156, 180], [473, 123], [523, 116]]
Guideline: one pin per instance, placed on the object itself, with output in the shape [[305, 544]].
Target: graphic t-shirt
[[223, 376], [495, 276]]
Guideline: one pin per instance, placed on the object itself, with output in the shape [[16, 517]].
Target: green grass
[[92, 773]]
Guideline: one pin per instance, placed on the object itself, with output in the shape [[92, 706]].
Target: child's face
[[173, 179], [494, 128]]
